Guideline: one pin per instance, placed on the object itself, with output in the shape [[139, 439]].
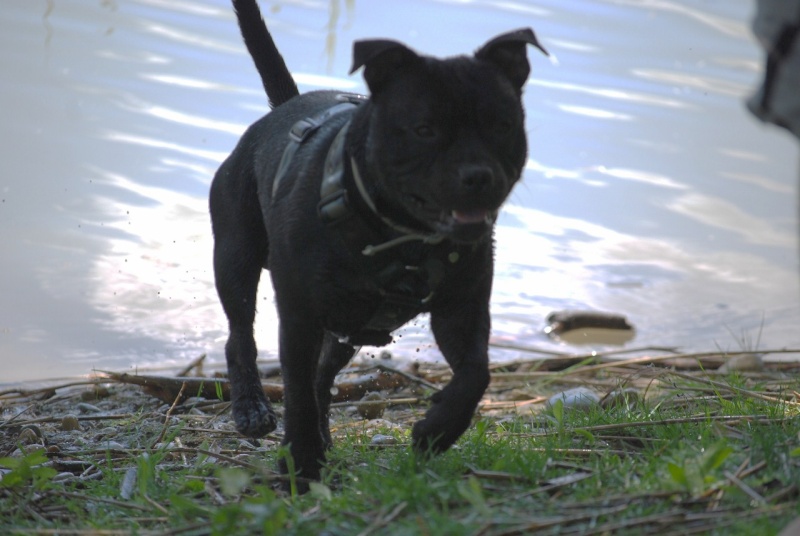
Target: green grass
[[698, 457]]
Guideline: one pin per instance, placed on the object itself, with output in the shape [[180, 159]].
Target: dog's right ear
[[381, 58]]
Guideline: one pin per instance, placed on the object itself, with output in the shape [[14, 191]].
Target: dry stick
[[209, 431], [529, 349], [187, 450], [382, 521], [719, 492], [586, 452], [188, 528], [495, 475], [218, 456], [533, 350], [12, 419], [740, 471], [511, 404], [745, 488], [169, 413], [682, 420], [623, 498], [669, 349], [700, 516], [674, 515], [79, 532], [586, 368], [756, 468], [409, 376], [155, 504], [79, 417], [547, 522], [388, 402], [541, 489], [651, 359], [101, 500], [24, 392], [216, 496], [191, 366], [34, 514], [781, 493], [718, 385]]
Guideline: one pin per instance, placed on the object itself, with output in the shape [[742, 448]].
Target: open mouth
[[466, 222], [449, 221], [466, 217]]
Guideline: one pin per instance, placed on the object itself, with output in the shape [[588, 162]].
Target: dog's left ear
[[381, 59], [507, 51]]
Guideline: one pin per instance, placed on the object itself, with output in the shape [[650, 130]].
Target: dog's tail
[[275, 76]]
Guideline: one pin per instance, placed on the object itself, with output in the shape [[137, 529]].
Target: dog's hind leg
[[240, 252], [333, 358]]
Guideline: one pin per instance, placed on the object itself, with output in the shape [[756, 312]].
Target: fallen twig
[[193, 365], [739, 390], [663, 422], [167, 416], [169, 389]]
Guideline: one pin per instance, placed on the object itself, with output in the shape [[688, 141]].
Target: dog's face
[[446, 137]]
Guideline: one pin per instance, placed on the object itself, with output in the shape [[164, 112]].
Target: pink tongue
[[469, 216]]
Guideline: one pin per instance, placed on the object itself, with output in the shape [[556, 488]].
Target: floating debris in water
[[589, 327]]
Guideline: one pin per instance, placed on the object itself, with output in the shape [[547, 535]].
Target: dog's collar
[[335, 204]]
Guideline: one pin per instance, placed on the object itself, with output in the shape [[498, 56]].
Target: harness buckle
[[334, 208], [300, 130]]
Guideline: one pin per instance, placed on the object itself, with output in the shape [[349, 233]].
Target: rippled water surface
[[649, 190]]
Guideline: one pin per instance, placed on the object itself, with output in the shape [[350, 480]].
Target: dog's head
[[446, 139]]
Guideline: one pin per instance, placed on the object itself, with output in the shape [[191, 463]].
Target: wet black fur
[[434, 136]]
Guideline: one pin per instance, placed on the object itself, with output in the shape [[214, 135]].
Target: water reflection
[[685, 81], [653, 179], [614, 94], [665, 289], [594, 113], [648, 191], [725, 25], [722, 214]]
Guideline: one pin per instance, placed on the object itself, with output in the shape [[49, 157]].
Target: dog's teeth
[[470, 216]]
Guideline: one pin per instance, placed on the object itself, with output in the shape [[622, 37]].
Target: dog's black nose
[[476, 179]]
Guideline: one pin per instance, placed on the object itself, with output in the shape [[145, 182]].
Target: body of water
[[649, 191]]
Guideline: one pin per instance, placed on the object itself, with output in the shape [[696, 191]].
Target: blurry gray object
[[777, 28]]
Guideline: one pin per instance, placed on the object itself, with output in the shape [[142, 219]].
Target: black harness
[[405, 283]]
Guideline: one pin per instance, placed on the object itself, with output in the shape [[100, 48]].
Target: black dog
[[367, 212]]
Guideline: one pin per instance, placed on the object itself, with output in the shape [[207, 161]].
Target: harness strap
[[334, 206], [404, 289], [304, 128]]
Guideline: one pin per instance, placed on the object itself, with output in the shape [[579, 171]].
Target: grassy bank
[[674, 450]]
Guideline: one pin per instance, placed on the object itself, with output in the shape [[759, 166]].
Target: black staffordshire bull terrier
[[367, 211]]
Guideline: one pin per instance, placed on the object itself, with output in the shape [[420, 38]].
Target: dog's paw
[[441, 427], [427, 438], [304, 464], [254, 417]]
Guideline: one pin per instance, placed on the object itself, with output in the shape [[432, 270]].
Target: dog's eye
[[424, 131]]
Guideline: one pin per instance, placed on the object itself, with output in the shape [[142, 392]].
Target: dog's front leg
[[335, 355], [463, 337], [299, 354]]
